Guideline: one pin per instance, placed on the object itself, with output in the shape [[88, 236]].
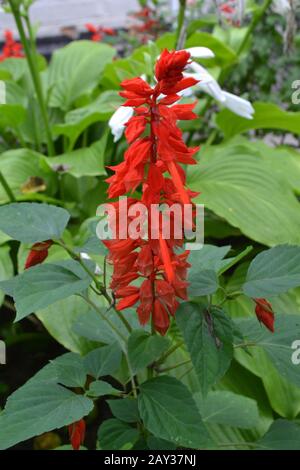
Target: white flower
[[209, 85], [118, 120], [238, 105], [282, 7], [200, 52]]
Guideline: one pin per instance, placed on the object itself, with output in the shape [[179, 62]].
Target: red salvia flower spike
[[156, 146], [77, 433], [264, 313]]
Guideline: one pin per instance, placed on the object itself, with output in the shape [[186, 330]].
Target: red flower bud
[[77, 433], [264, 313], [38, 253]]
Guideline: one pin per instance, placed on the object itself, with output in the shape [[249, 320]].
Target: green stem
[[7, 188], [32, 63], [101, 289], [256, 19], [183, 363], [104, 317], [170, 351], [180, 24]]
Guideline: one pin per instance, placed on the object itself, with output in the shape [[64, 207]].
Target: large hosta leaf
[[266, 116], [67, 77], [169, 412], [77, 120], [20, 166], [240, 187]]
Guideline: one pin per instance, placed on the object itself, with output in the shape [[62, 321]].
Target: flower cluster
[[153, 162], [11, 48], [98, 32]]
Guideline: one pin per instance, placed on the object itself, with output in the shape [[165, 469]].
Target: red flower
[[11, 48], [77, 433], [264, 313], [156, 147], [98, 32], [38, 253]]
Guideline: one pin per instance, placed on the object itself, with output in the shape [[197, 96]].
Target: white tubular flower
[[282, 7], [118, 120], [209, 85], [200, 52], [238, 105]]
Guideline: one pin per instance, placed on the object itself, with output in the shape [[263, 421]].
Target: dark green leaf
[[116, 435], [144, 349], [103, 361], [169, 412], [282, 435], [273, 272], [125, 409], [208, 338], [31, 222]]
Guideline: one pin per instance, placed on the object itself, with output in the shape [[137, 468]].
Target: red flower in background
[[77, 433], [38, 253], [98, 32], [11, 48], [264, 313], [156, 148]]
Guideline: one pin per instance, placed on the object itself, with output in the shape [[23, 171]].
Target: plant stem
[[256, 19], [180, 25], [7, 188], [183, 363], [32, 63], [101, 288], [170, 351], [104, 317]]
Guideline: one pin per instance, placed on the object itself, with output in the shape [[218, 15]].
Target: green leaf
[[31, 222], [6, 267], [77, 120], [282, 435], [278, 345], [144, 349], [103, 361], [273, 272], [155, 443], [223, 54], [19, 166], [11, 115], [208, 339], [16, 67], [169, 412], [59, 319], [227, 408], [202, 281], [239, 187], [45, 284], [86, 161], [99, 388], [267, 116], [116, 435], [70, 370], [125, 409], [40, 406], [67, 77]]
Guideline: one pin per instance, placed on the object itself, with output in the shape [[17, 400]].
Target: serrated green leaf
[[169, 412], [144, 349]]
